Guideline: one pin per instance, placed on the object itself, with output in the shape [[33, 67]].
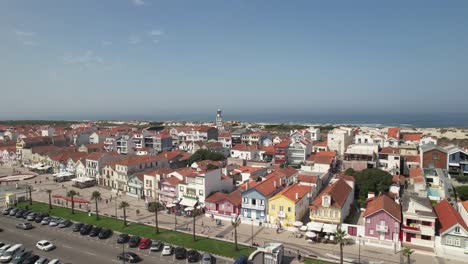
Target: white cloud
[[105, 43], [138, 2], [88, 59], [134, 39], [156, 33], [22, 34]]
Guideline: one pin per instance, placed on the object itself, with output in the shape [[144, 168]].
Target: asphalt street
[[72, 247]]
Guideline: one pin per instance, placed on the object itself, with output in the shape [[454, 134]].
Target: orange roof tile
[[389, 150], [385, 203], [394, 132], [448, 216], [293, 190], [411, 137], [338, 191], [415, 172]]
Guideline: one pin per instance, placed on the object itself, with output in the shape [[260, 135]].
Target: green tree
[[205, 154], [340, 239], [49, 192], [462, 192], [30, 195], [156, 206], [123, 205], [96, 195], [72, 194], [235, 223], [372, 180], [350, 172], [407, 253]]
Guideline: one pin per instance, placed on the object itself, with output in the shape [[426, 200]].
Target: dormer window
[[326, 200], [457, 229]]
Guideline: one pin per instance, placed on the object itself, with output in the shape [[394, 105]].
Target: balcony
[[381, 228], [167, 193]]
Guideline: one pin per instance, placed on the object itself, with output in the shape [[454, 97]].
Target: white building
[[339, 139], [390, 160]]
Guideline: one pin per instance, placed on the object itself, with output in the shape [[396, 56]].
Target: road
[[72, 247]]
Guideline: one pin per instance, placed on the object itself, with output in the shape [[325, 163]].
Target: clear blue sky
[[96, 58]]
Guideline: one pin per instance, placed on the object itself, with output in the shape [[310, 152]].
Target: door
[[253, 214]]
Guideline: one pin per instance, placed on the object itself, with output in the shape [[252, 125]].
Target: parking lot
[[73, 247]]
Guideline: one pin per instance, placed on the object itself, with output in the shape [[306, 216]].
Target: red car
[[144, 243]]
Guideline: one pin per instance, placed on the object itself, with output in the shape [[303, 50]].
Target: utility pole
[[252, 231], [123, 253]]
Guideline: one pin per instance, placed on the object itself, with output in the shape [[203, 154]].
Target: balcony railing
[[382, 228]]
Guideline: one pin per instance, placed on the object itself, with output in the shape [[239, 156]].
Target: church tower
[[219, 120]]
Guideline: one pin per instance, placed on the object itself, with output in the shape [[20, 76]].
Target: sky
[[111, 59]]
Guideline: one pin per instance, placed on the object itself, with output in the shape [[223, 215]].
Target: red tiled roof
[[95, 155], [173, 180], [136, 160], [413, 159], [465, 205], [291, 191], [415, 172], [307, 178], [411, 137], [269, 184], [283, 144], [418, 179], [385, 203], [160, 171], [244, 147], [321, 159], [338, 191], [394, 132], [321, 143], [448, 216], [268, 149], [389, 150]]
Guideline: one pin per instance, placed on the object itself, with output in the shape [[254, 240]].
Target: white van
[[11, 252]]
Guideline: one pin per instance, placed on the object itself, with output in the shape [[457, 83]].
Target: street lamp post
[[123, 253], [252, 232], [359, 256]]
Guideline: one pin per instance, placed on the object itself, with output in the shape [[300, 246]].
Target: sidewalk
[[206, 226]]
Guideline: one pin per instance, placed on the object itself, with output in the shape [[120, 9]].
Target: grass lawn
[[213, 246], [315, 261]]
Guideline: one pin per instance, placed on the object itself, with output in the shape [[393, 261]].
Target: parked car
[[86, 229], [55, 221], [1, 244], [20, 257], [95, 231], [207, 259], [77, 227], [128, 256], [19, 213], [13, 211], [134, 241], [31, 216], [167, 250], [123, 238], [31, 259], [40, 217], [24, 226], [45, 221], [241, 260], [180, 253], [64, 223], [4, 248], [105, 233], [156, 245], [26, 213], [11, 252], [144, 243], [54, 261], [193, 256], [42, 260], [7, 210], [44, 245]]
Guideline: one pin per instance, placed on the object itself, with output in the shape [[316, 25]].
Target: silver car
[[45, 221], [42, 260], [55, 221], [207, 259]]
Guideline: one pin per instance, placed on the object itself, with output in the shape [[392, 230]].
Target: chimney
[[297, 196], [280, 181], [274, 183], [247, 185], [370, 195]]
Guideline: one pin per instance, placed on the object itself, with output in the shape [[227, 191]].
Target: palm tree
[[49, 192], [407, 253], [123, 205], [72, 194], [340, 239], [96, 195], [156, 206], [235, 223]]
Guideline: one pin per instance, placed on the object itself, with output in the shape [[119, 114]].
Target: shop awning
[[188, 202], [329, 228], [310, 234], [314, 226], [170, 205], [82, 179]]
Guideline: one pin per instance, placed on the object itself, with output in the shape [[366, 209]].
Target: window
[[289, 209], [273, 207], [281, 208], [371, 232], [244, 200], [200, 192], [262, 214], [254, 202], [457, 229], [396, 224], [448, 241], [457, 242], [181, 188], [435, 156], [425, 237], [367, 220], [262, 202]]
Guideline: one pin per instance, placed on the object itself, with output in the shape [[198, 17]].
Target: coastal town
[[335, 193]]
